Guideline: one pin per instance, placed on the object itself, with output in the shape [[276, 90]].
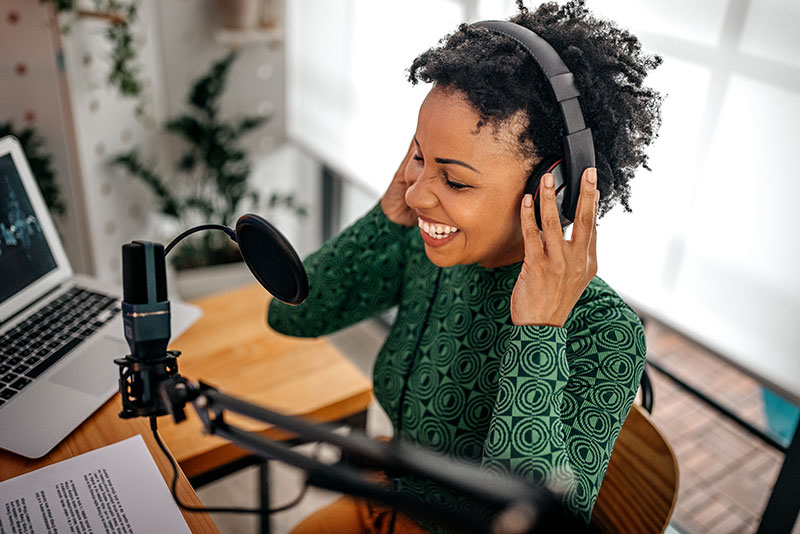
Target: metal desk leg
[[784, 503], [263, 486]]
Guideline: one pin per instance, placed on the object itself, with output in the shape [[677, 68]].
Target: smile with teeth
[[437, 231]]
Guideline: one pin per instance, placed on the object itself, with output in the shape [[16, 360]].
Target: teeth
[[437, 231]]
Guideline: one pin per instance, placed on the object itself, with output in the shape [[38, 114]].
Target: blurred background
[[307, 110]]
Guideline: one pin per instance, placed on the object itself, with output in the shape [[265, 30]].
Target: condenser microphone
[[146, 322], [145, 307]]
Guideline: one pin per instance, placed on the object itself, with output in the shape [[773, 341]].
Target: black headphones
[[578, 144]]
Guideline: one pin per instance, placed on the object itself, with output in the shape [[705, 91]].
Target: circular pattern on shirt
[[583, 346], [424, 380], [449, 400], [617, 335], [348, 253], [569, 407], [415, 310], [499, 438], [505, 397], [533, 468], [444, 350], [579, 499], [641, 342], [468, 445], [412, 411], [433, 434], [600, 313], [618, 367], [586, 452], [609, 395], [533, 396], [487, 379], [466, 367], [458, 319], [477, 289], [595, 423], [438, 496], [541, 363], [388, 380], [510, 359], [481, 334], [478, 412], [497, 306], [444, 299], [387, 265], [331, 271], [529, 436]]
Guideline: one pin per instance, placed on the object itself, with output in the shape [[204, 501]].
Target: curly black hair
[[500, 79]]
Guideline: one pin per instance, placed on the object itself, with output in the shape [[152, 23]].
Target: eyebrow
[[448, 161]]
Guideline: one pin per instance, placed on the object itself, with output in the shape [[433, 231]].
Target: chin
[[440, 260]]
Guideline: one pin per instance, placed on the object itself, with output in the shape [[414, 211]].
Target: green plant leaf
[[206, 91], [131, 162]]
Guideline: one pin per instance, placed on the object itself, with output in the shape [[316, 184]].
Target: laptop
[[59, 331]]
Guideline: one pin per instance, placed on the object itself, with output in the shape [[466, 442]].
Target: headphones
[[578, 144]]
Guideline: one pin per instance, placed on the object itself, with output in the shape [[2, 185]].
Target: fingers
[[530, 231], [551, 221], [586, 212], [592, 256]]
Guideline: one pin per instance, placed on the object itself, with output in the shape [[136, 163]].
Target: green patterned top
[[540, 401]]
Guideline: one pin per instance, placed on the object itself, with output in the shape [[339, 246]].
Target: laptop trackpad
[[93, 371]]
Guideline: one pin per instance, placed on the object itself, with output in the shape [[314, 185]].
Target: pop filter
[[271, 259]]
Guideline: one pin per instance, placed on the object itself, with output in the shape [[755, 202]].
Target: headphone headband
[[578, 144]]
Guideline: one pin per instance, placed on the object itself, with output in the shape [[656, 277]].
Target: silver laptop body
[[41, 403]]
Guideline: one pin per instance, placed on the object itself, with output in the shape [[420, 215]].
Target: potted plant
[[210, 183], [121, 16]]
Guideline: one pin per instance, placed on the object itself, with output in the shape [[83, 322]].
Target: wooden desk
[[103, 428], [232, 348]]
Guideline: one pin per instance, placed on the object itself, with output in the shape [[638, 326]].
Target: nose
[[419, 194]]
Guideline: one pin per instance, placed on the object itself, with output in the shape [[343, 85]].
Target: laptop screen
[[24, 254]]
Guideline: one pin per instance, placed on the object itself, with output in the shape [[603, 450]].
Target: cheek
[[491, 222]]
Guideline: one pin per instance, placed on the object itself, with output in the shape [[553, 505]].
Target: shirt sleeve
[[356, 275], [563, 396]]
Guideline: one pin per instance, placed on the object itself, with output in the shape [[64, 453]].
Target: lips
[[436, 234], [437, 230]]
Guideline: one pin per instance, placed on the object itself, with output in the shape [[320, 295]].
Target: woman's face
[[466, 184]]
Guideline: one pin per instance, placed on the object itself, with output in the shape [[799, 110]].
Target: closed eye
[[457, 186], [454, 185]]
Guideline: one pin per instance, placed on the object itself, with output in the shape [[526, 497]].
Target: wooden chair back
[[640, 488]]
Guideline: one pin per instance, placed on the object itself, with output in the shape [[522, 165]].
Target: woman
[[507, 349]]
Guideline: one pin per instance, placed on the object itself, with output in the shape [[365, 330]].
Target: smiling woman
[[507, 350]]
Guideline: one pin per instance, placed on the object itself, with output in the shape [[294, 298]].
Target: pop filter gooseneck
[[267, 253]]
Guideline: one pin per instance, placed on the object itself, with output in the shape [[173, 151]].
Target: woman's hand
[[555, 272], [393, 202]]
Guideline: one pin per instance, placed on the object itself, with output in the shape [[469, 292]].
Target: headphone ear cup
[[557, 168]]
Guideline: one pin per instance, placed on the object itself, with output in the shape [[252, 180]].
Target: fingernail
[[548, 180], [527, 200], [591, 176]]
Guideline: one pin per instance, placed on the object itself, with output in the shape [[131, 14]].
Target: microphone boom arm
[[534, 508]]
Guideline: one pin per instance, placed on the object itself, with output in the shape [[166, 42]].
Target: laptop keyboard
[[38, 342]]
